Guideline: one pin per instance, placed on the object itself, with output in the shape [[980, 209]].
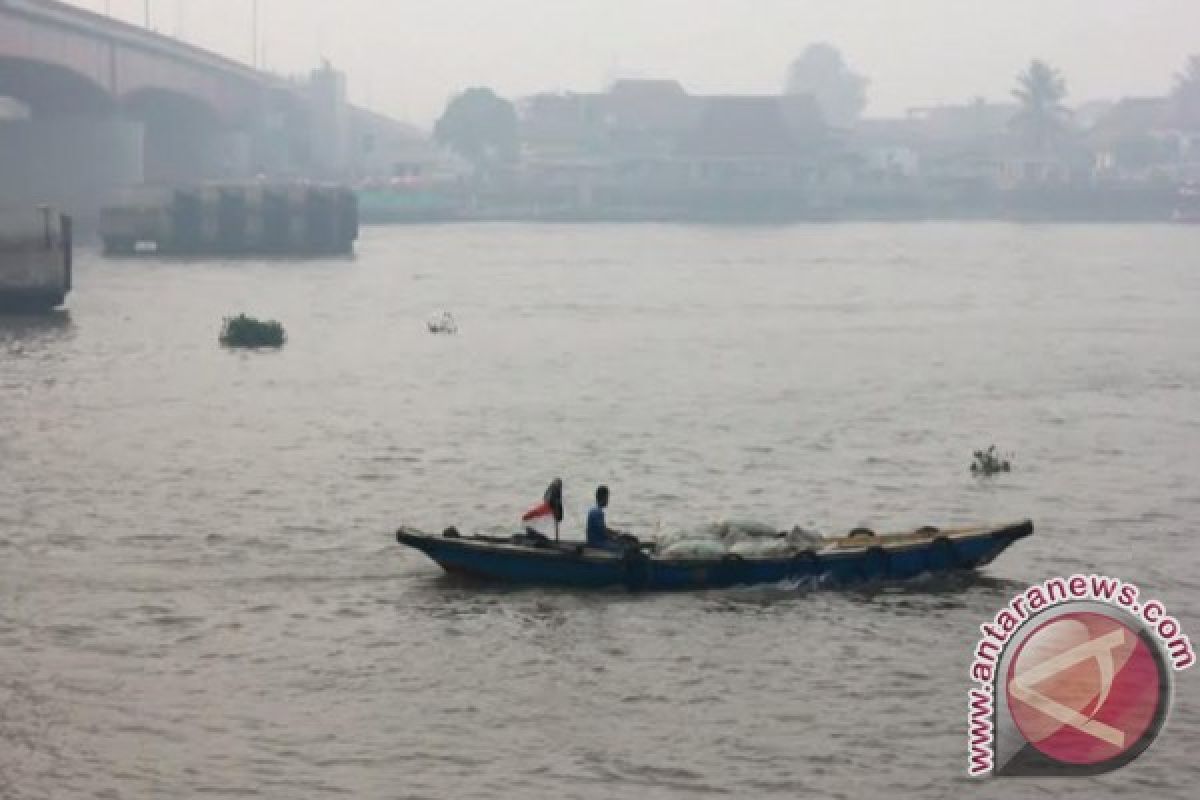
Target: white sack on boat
[[740, 530], [665, 539], [746, 538], [801, 539], [694, 548], [763, 548]]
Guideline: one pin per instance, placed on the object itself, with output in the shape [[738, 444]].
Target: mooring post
[[67, 227], [46, 224]]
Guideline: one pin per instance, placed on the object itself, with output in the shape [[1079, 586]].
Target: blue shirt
[[597, 531]]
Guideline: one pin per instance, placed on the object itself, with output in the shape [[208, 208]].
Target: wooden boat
[[862, 556]]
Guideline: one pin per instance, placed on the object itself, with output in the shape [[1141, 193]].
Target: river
[[200, 594]]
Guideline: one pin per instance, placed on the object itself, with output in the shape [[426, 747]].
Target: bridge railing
[[66, 16]]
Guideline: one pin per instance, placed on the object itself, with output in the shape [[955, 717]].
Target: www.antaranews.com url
[[1033, 601]]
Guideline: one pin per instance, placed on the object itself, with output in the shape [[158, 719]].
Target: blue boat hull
[[876, 559]]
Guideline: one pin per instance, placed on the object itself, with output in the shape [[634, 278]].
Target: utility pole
[[147, 7], [254, 34]]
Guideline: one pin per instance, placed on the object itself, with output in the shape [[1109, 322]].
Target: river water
[[200, 594]]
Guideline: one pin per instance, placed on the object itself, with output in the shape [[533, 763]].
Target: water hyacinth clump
[[244, 331], [988, 462], [443, 324]]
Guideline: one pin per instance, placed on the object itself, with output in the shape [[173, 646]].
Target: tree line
[[481, 126]]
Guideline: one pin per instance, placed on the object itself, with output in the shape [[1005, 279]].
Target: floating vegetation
[[244, 331], [987, 462], [443, 324]]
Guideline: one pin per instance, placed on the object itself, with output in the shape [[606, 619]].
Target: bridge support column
[[72, 163], [179, 155]]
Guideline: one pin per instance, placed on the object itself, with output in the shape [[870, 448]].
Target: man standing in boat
[[599, 535]]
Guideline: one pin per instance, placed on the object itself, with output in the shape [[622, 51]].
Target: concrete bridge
[[95, 104]]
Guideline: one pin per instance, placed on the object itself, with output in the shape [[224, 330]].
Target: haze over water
[[199, 592]]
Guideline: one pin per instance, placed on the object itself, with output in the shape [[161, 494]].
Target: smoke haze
[[406, 57]]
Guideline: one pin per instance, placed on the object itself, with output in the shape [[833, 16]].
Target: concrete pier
[[234, 220], [35, 259]]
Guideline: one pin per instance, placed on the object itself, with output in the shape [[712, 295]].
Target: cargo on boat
[[861, 556], [233, 220]]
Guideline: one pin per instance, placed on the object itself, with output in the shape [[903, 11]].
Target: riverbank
[[1044, 204]]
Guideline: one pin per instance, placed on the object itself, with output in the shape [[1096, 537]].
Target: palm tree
[[1042, 118], [1187, 93]]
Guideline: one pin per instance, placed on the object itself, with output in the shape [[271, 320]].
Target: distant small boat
[[1187, 212], [859, 557]]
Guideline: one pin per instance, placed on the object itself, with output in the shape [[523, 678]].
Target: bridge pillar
[[177, 155], [70, 162]]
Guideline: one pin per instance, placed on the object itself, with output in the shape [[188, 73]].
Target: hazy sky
[[405, 57]]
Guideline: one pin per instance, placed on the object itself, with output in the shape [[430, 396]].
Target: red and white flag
[[540, 518]]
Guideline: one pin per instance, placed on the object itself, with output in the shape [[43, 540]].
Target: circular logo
[[1085, 688]]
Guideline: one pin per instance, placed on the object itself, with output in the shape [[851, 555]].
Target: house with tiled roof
[[650, 141]]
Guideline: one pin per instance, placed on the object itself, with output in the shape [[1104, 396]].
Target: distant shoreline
[[1056, 204], [594, 218]]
